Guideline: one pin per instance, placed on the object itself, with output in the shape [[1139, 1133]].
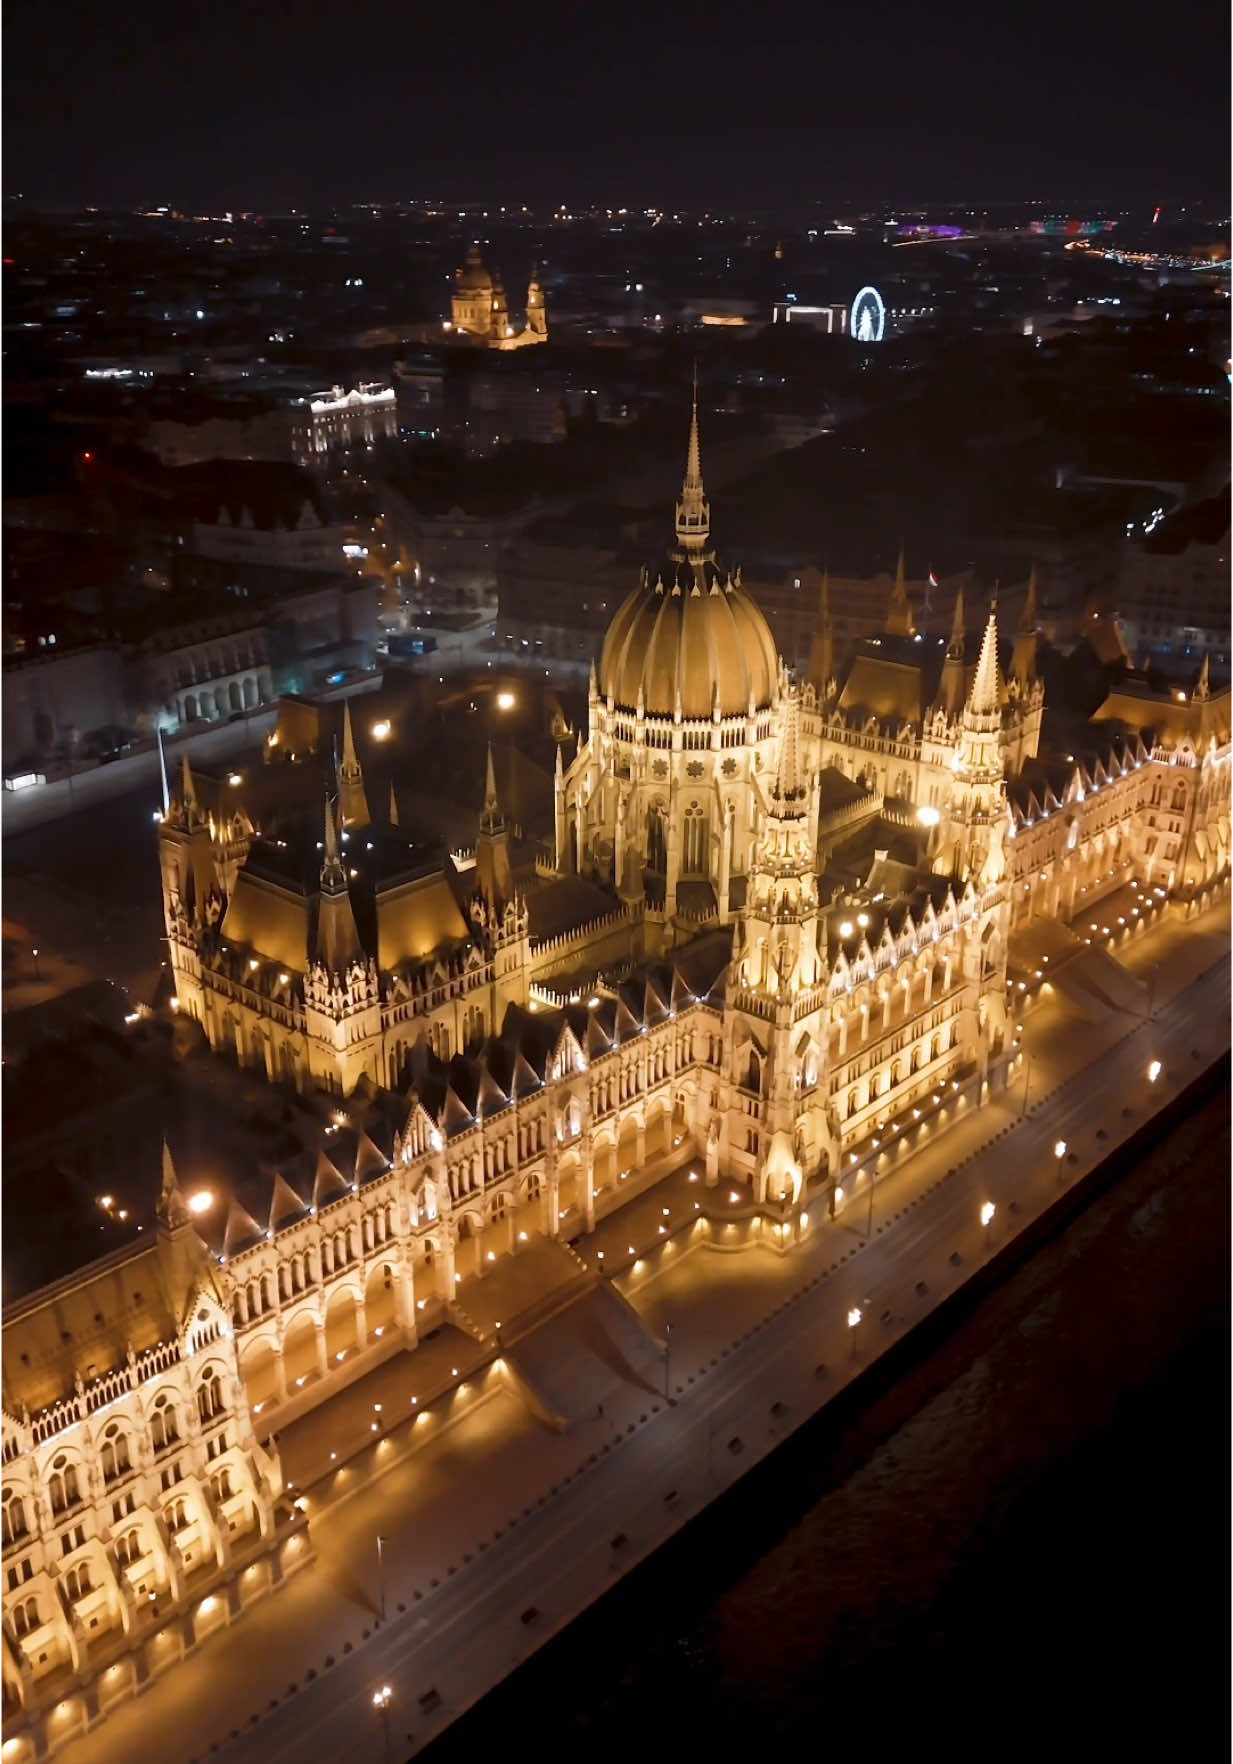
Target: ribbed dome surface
[[686, 635], [474, 276]]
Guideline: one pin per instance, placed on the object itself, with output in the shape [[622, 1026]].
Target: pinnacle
[[985, 698]]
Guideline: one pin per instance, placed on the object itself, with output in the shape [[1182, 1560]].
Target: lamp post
[[987, 1212], [34, 952], [381, 1702], [381, 1577], [667, 1361]]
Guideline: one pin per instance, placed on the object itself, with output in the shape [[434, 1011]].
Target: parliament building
[[811, 892]]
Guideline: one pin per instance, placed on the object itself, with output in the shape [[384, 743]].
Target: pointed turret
[[172, 1211], [188, 792], [353, 802], [338, 940], [1023, 657], [951, 686], [985, 697], [393, 806], [899, 622], [537, 316], [494, 874], [693, 511], [788, 792], [822, 649]]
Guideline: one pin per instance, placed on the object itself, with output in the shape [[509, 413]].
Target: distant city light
[[506, 701], [381, 730]]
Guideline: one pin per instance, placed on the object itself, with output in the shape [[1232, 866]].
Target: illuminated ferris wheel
[[867, 320]]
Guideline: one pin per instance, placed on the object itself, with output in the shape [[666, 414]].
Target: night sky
[[242, 104]]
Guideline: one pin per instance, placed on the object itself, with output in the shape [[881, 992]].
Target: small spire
[[899, 621], [593, 681], [957, 628], [171, 1210], [788, 788], [393, 806], [1203, 690], [985, 698], [560, 766], [491, 818], [187, 792], [1027, 624], [333, 876], [350, 767]]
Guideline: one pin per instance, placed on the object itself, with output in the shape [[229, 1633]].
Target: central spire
[[693, 511]]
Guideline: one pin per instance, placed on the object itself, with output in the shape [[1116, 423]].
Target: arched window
[[62, 1485], [164, 1423], [499, 1205], [695, 854], [753, 1073], [210, 1396], [77, 1581], [128, 1548], [221, 1484], [115, 1454], [14, 1517], [177, 1515], [656, 839], [26, 1616]]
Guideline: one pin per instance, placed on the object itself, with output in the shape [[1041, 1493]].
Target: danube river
[[1021, 1542]]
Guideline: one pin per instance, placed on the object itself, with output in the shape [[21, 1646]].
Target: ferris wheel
[[867, 320]]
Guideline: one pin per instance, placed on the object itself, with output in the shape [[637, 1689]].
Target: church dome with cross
[[690, 639]]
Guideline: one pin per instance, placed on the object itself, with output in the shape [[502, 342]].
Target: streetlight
[[987, 1212], [854, 1317], [381, 1702], [381, 1578], [1059, 1149], [1153, 1071], [381, 730], [505, 701], [35, 954]]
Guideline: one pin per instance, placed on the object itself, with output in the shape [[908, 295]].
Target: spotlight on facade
[[927, 815]]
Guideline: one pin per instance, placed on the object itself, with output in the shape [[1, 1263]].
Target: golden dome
[[474, 276], [685, 637]]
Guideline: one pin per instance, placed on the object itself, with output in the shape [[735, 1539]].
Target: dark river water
[[1020, 1546]]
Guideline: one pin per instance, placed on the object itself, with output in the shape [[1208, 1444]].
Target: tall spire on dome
[[693, 511], [492, 862], [985, 698]]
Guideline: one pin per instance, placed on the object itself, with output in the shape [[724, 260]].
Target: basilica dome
[[474, 278], [679, 637]]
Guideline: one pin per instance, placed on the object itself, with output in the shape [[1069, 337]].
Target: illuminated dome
[[474, 277], [687, 635]]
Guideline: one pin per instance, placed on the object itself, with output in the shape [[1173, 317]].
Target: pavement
[[499, 1530]]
